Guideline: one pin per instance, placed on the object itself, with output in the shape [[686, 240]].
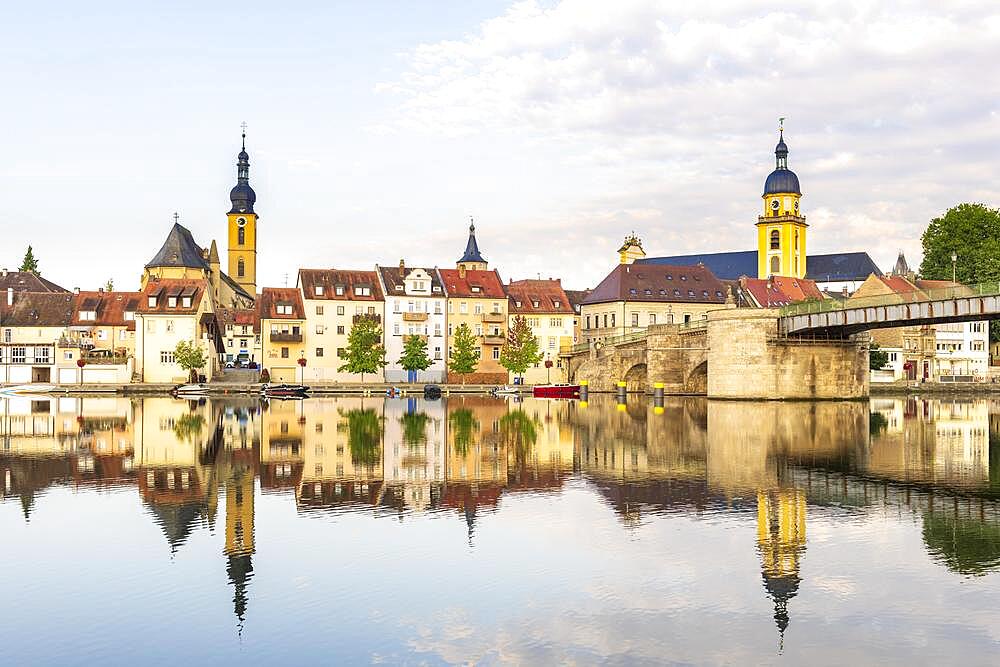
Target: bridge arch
[[636, 378], [697, 380]]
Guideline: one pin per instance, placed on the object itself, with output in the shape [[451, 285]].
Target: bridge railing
[[692, 325], [918, 296]]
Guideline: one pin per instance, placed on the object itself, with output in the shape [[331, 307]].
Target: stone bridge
[[735, 353]]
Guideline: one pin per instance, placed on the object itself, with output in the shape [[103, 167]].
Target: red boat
[[556, 391]]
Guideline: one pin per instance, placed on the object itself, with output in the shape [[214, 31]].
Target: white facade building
[[415, 305]]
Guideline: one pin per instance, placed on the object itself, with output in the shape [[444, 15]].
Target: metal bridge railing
[[918, 296]]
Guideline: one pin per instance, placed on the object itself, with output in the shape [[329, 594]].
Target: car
[[230, 364]]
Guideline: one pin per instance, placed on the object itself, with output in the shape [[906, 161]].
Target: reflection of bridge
[[806, 350]]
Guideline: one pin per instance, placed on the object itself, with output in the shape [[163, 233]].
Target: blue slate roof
[[180, 249], [821, 268], [840, 266], [472, 253]]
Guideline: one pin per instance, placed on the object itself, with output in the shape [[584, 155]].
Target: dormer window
[[399, 288], [284, 308], [556, 304], [186, 301], [318, 290], [362, 291], [436, 289], [88, 315], [339, 289], [534, 303], [151, 302], [517, 303], [171, 302], [684, 277], [647, 292], [477, 288], [129, 315]]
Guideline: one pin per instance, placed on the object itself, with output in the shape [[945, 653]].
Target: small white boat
[[506, 390], [198, 389], [20, 389]]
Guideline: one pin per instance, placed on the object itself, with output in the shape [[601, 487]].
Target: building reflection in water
[[777, 463]]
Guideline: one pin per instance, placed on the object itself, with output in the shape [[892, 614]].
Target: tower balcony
[[494, 339], [494, 318]]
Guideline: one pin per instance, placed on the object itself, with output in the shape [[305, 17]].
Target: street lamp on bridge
[[954, 258]]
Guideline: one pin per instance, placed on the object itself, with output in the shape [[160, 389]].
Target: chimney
[[76, 290], [100, 290], [3, 273], [402, 265], [10, 296]]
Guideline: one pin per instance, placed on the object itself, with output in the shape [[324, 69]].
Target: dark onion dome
[[242, 196], [782, 180]]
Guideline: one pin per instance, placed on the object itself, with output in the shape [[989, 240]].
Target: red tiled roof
[[237, 316], [330, 279], [524, 294], [488, 283], [659, 283], [164, 288], [783, 290], [270, 297], [109, 308]]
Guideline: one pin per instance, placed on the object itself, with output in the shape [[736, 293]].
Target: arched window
[[796, 239], [241, 268], [241, 235], [775, 266], [775, 240]]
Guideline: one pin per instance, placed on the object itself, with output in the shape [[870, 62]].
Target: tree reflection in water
[[465, 425], [364, 437], [519, 432], [965, 545]]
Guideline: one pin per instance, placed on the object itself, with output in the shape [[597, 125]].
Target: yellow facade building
[[546, 307], [781, 230], [282, 325], [242, 226]]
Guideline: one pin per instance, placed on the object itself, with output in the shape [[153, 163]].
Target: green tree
[[191, 358], [465, 353], [29, 264], [464, 425], [520, 351], [365, 351], [364, 436], [110, 285], [414, 356], [877, 358], [972, 233]]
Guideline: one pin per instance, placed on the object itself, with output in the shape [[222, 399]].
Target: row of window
[[340, 290], [25, 354], [172, 301], [608, 320]]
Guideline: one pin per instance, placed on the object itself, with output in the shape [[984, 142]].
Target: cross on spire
[[176, 217], [472, 224], [243, 126]]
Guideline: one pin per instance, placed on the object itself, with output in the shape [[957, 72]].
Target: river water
[[477, 530]]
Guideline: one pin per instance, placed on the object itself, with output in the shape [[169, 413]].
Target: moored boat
[[506, 390], [279, 390], [194, 389], [560, 390], [19, 389]]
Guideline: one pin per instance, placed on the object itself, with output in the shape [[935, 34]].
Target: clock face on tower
[[774, 204], [241, 221], [796, 205]]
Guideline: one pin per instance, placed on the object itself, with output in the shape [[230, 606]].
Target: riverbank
[[229, 389], [935, 388]]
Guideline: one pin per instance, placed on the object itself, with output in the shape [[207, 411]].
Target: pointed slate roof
[[472, 253], [180, 249]]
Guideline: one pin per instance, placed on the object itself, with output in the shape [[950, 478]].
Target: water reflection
[[772, 467]]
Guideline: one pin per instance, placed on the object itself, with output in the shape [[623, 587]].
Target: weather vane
[[781, 124], [243, 126]]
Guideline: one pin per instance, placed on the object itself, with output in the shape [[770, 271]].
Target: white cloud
[[662, 117]]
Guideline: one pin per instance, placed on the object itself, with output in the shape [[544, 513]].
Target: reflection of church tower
[[239, 536], [781, 539]]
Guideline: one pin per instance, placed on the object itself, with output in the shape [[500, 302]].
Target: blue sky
[[376, 129]]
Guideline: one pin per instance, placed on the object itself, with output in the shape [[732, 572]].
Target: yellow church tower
[[781, 230], [243, 225]]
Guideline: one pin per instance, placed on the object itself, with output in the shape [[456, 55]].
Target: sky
[[376, 130]]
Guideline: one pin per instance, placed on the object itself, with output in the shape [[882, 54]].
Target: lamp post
[[302, 371], [80, 363], [954, 258]]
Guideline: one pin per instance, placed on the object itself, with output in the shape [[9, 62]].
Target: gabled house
[[547, 309], [172, 310], [282, 325], [415, 305], [31, 326]]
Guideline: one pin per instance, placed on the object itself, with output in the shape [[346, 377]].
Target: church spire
[[472, 259], [242, 196]]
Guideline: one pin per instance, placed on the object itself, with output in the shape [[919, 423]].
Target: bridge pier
[[748, 358]]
